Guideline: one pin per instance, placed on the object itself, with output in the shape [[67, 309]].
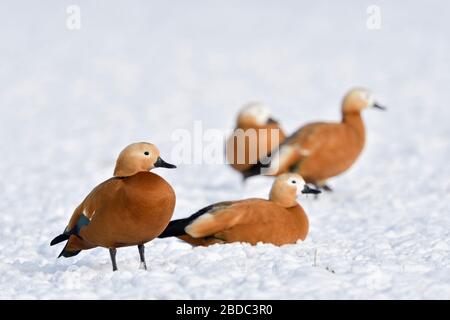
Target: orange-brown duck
[[321, 150], [279, 220], [255, 136], [129, 209]]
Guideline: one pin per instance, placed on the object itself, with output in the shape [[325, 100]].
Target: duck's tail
[[62, 237], [74, 241], [256, 169], [66, 252], [176, 227]]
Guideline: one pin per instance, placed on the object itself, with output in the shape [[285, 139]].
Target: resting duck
[[255, 136], [279, 220]]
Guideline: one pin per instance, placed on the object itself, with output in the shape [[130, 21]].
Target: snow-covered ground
[[139, 70]]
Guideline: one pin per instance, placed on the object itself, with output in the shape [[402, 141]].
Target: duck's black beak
[[308, 189], [379, 106], [160, 163]]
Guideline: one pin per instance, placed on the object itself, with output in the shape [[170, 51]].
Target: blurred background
[[70, 100]]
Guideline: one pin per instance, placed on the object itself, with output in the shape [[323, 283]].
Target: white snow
[[71, 100]]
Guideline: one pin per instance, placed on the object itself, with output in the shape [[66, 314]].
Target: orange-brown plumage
[[279, 220], [129, 209], [321, 150], [255, 136], [126, 211]]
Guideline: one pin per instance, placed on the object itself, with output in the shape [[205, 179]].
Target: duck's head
[[359, 99], [287, 187], [137, 157], [254, 114]]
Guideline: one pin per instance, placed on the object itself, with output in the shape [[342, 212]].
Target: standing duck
[[129, 209], [255, 136], [279, 220], [321, 150]]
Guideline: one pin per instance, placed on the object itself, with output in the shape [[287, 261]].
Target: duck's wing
[[84, 213], [205, 222], [301, 144], [272, 136]]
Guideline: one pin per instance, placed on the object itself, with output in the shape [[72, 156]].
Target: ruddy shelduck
[[321, 150], [131, 208], [255, 136], [279, 220]]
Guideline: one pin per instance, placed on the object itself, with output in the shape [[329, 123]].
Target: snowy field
[[70, 100]]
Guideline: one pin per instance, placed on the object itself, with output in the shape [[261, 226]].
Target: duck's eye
[[293, 181], [147, 153]]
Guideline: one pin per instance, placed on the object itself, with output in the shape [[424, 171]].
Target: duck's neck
[[284, 200], [355, 122]]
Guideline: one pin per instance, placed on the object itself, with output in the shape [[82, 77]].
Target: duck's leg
[[112, 253], [141, 249]]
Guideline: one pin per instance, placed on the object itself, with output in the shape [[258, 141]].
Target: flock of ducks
[[135, 206]]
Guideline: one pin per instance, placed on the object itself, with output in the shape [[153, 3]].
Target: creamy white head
[[139, 157], [297, 182], [254, 113], [367, 96], [287, 187], [359, 99]]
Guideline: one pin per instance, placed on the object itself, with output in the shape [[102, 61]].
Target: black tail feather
[[64, 253], [176, 227], [67, 254], [82, 221], [256, 169], [60, 238]]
